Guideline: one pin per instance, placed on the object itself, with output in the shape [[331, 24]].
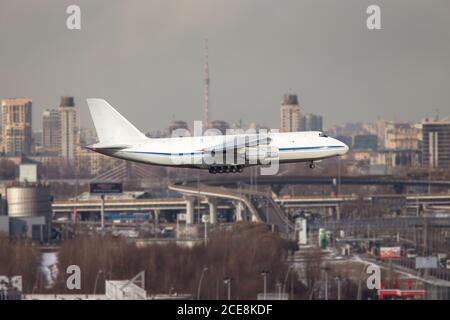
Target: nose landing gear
[[312, 165]]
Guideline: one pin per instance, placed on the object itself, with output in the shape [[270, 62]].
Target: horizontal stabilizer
[[100, 146]]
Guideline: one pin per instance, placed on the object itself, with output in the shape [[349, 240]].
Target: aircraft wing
[[238, 142]]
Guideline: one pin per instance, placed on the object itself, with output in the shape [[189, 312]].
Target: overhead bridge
[[178, 203], [277, 182]]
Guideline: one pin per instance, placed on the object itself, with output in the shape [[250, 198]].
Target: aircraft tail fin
[[111, 127]]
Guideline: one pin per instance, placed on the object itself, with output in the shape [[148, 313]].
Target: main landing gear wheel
[[312, 165], [226, 169]]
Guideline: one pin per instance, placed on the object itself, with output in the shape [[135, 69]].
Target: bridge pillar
[[239, 215], [212, 203], [156, 213], [189, 210], [330, 211]]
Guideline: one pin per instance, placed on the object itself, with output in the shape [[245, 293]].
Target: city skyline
[[320, 50], [37, 119]]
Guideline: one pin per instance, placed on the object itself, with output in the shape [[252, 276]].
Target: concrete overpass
[[180, 203], [277, 182]]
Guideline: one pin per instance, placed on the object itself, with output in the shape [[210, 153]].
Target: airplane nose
[[346, 148], [343, 150]]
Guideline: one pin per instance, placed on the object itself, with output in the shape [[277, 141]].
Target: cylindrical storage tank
[[29, 202]]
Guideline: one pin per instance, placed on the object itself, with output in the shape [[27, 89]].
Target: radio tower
[[206, 92]]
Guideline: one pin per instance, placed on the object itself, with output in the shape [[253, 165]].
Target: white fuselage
[[191, 151]]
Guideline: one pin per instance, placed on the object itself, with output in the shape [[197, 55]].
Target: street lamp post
[[227, 281], [338, 279], [200, 282], [358, 295], [279, 285], [96, 279], [326, 269], [264, 273], [102, 213], [205, 220], [286, 277]]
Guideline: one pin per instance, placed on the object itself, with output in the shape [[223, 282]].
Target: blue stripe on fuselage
[[201, 152]]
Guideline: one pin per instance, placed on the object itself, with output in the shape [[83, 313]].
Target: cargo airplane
[[217, 153]]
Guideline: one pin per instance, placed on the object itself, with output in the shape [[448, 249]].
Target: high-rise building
[[69, 127], [311, 122], [436, 144], [87, 136], [365, 142], [51, 130], [220, 125], [177, 128], [401, 136], [16, 126], [290, 114]]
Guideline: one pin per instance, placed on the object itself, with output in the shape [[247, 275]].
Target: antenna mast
[[206, 92]]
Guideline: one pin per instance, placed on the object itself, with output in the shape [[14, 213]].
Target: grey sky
[[146, 58]]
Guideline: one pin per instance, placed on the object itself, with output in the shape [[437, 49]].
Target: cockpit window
[[323, 135]]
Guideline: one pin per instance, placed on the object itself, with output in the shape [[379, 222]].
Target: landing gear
[[226, 169], [312, 165]]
